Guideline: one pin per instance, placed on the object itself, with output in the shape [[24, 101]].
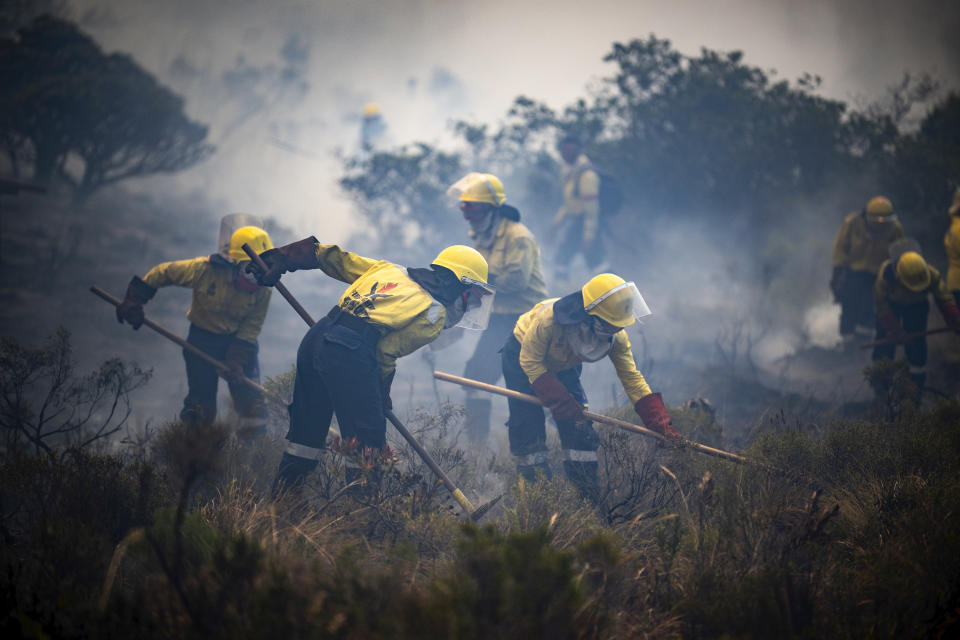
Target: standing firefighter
[[900, 297], [347, 360], [226, 315], [545, 355], [578, 220], [861, 246], [513, 256], [951, 243]]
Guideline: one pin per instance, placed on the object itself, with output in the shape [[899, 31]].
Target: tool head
[[481, 511]]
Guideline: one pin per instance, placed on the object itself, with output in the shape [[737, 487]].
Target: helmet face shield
[[478, 187], [477, 304], [621, 306]]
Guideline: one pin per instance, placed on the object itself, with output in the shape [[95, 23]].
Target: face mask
[[245, 280], [455, 312], [586, 343]]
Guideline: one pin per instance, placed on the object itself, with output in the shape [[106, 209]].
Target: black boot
[[478, 419], [291, 474], [583, 475]]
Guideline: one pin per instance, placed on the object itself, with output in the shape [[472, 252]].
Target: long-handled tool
[[904, 338], [597, 417], [475, 513], [221, 367]]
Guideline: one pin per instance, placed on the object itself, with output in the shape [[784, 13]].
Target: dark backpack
[[610, 197]]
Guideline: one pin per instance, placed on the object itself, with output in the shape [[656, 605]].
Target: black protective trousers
[[337, 372], [856, 301], [527, 422], [913, 319], [200, 405]]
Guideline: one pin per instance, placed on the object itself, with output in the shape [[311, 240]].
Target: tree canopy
[[71, 112]]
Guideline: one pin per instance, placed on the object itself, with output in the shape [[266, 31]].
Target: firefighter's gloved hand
[[238, 354], [555, 397], [891, 327], [836, 282], [654, 414], [130, 309], [301, 254], [951, 315]]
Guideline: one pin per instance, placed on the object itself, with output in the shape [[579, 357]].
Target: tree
[[85, 117]]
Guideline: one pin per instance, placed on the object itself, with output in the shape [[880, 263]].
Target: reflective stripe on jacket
[[544, 348], [384, 295], [862, 248], [218, 305], [888, 288], [514, 263], [951, 243]]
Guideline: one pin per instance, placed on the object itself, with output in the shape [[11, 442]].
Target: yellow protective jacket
[[951, 243], [218, 305], [888, 288], [860, 248], [384, 295], [544, 348], [514, 264], [581, 191]]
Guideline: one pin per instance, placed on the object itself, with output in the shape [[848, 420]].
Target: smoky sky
[[281, 83]]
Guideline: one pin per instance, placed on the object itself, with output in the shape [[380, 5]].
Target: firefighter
[[346, 362], [900, 298], [861, 245], [226, 315], [544, 356], [577, 220], [513, 257], [951, 242]]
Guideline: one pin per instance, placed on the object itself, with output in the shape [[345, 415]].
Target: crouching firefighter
[[900, 296], [226, 315], [545, 356], [346, 361]]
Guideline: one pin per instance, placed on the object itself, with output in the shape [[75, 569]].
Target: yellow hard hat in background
[[371, 110], [879, 209], [256, 237], [466, 263], [614, 300], [481, 187], [913, 272]]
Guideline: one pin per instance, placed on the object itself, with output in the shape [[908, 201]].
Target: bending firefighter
[[513, 257], [900, 296], [545, 356], [578, 220], [346, 361], [226, 315], [861, 246]]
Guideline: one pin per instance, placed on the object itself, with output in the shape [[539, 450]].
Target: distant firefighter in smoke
[[900, 299], [226, 315], [513, 257], [861, 245]]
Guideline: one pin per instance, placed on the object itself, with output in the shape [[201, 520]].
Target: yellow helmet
[[466, 263], [371, 110], [256, 237], [614, 300], [481, 187], [913, 272], [879, 209]]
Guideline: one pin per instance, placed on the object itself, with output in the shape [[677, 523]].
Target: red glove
[[239, 353], [951, 315], [654, 415], [891, 327], [555, 397]]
